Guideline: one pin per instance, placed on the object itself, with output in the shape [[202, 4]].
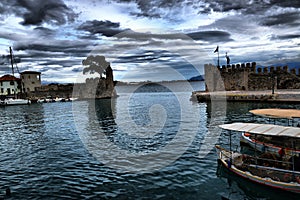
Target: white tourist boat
[[266, 169], [268, 143]]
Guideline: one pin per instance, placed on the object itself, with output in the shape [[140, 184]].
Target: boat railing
[[275, 169], [275, 174], [284, 163], [278, 170], [250, 164]]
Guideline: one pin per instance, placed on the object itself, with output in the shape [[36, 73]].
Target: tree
[[95, 64]]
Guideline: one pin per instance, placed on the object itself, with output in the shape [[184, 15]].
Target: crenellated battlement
[[251, 67], [247, 76]]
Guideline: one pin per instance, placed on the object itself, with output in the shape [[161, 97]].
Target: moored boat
[[282, 172], [11, 101], [268, 144]]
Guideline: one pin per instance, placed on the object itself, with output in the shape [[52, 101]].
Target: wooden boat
[[266, 169], [269, 143]]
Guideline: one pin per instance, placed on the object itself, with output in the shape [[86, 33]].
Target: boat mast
[[11, 60], [12, 69]]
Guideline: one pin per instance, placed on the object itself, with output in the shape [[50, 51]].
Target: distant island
[[197, 78]]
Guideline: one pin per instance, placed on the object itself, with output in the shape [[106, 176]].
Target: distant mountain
[[197, 78], [49, 82]]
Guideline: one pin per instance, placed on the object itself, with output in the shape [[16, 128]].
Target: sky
[[146, 40]]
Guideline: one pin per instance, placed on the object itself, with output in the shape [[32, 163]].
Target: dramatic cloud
[[41, 11], [211, 36], [286, 3], [289, 19], [285, 37], [146, 39], [106, 28]]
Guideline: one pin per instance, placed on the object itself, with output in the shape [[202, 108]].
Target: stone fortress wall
[[249, 77]]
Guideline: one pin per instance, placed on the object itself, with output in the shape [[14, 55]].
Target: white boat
[[11, 101], [265, 169]]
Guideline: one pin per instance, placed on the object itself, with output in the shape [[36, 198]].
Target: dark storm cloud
[[206, 36], [106, 28], [285, 37], [141, 36], [158, 8], [224, 6], [290, 19], [154, 56], [44, 32], [64, 47], [50, 11], [5, 60], [249, 7], [39, 11], [63, 53], [152, 9], [286, 3], [211, 36], [64, 63]]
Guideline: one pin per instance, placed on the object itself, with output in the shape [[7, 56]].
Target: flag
[[217, 49]]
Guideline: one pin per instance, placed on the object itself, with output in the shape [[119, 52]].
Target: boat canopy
[[277, 113], [263, 129]]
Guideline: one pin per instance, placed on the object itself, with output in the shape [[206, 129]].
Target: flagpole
[[218, 59], [217, 50]]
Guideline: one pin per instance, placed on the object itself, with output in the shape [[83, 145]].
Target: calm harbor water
[[100, 149]]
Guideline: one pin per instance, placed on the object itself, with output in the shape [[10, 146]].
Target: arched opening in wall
[[243, 88]]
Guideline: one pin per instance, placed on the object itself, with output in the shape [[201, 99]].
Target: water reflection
[[20, 126], [138, 127]]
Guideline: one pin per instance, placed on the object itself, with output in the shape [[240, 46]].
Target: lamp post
[[273, 78]]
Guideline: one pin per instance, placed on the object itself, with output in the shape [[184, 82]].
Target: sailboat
[[13, 100]]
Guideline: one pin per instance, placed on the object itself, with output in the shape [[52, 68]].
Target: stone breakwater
[[291, 96]]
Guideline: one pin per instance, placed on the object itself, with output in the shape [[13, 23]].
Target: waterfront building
[[30, 80], [9, 85]]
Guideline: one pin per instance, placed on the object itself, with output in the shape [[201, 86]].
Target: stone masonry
[[248, 77]]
